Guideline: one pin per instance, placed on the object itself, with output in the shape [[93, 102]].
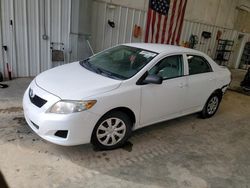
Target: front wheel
[[112, 131], [211, 106]]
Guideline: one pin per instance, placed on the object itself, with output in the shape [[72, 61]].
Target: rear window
[[198, 65]]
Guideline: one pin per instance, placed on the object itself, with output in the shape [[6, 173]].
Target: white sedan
[[104, 98]]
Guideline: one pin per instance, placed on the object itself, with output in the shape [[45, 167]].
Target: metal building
[[40, 34], [126, 17]]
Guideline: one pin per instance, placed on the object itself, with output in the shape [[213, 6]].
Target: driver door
[[166, 100]]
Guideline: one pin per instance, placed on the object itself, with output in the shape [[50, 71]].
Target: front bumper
[[79, 126], [224, 88]]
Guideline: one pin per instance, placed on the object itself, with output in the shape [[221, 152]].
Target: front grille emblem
[[31, 93]]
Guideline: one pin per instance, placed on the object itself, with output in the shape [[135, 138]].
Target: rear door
[[200, 81]]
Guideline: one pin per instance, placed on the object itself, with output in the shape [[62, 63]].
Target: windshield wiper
[[85, 63], [109, 74]]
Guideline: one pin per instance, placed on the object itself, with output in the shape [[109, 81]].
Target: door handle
[[211, 79]]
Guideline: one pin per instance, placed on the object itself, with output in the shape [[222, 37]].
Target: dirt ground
[[185, 152]]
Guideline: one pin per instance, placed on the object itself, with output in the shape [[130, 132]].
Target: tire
[[111, 131], [211, 106]]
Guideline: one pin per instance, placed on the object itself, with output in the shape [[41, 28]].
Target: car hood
[[74, 82]]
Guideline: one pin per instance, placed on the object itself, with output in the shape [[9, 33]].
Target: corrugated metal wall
[[68, 22], [1, 44], [28, 53], [125, 18], [206, 45]]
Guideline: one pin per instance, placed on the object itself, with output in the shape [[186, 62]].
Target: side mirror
[[153, 79]]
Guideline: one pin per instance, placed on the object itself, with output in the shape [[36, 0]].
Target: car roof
[[160, 48]]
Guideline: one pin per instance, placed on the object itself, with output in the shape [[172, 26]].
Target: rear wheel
[[112, 131], [211, 106]]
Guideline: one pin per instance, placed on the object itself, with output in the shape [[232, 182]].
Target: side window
[[169, 67], [198, 65]]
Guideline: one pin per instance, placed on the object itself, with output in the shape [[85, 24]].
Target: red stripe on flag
[[177, 22], [158, 27], [148, 24], [153, 26], [181, 23], [171, 22], [164, 29]]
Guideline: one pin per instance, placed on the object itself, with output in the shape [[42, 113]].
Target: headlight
[[67, 106]]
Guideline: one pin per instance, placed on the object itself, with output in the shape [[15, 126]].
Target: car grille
[[38, 101]]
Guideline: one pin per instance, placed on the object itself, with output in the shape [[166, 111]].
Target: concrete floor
[[237, 77], [185, 152]]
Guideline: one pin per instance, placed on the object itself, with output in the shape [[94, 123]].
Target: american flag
[[164, 21]]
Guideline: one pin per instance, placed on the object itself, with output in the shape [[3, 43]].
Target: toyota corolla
[[102, 99]]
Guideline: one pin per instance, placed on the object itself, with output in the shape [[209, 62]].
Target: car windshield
[[121, 62]]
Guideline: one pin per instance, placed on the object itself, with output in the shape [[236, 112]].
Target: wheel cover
[[111, 131], [212, 105]]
